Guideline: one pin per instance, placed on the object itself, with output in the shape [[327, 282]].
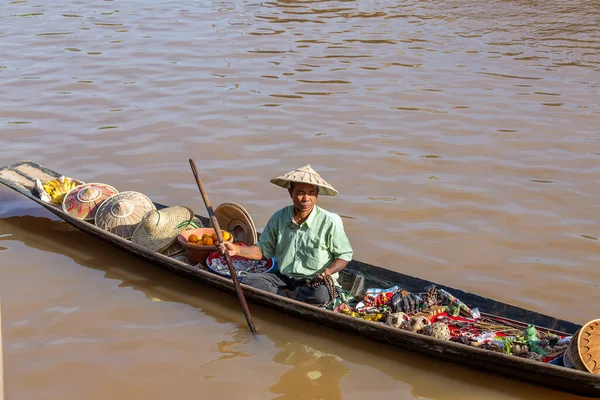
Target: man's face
[[304, 196]]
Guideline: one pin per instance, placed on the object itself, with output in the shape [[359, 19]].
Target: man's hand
[[336, 266], [323, 275], [229, 247]]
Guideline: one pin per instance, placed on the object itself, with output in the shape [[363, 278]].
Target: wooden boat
[[21, 178]]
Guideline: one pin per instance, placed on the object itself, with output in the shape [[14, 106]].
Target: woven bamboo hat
[[159, 228], [83, 201], [305, 175], [236, 220]]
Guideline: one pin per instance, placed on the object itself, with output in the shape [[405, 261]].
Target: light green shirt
[[307, 249]]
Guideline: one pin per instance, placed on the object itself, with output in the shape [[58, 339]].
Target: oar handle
[[215, 223]]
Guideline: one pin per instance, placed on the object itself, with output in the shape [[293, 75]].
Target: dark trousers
[[274, 282]]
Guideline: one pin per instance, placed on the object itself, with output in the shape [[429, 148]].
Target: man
[[308, 242]]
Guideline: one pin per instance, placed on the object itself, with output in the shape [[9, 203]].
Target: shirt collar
[[311, 217]]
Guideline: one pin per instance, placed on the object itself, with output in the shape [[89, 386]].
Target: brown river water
[[463, 137]]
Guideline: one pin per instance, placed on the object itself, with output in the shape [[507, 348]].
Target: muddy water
[[463, 138]]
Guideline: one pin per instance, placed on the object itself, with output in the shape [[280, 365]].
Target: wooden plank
[[17, 180], [32, 171]]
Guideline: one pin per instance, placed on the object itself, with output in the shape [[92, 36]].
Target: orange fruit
[[226, 235], [208, 241], [214, 237], [205, 236], [193, 239]]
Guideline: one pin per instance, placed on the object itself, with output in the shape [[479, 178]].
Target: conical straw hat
[[83, 201], [305, 175], [159, 228], [121, 213]]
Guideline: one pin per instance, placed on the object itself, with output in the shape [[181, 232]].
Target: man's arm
[[336, 266], [340, 248], [268, 242], [250, 252]]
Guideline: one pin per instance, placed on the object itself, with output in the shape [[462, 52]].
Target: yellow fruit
[[193, 239], [208, 241], [226, 235]]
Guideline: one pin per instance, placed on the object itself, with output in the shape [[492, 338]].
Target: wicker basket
[[584, 348]]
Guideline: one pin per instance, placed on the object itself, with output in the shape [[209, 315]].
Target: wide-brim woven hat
[[121, 213], [305, 175], [158, 229], [236, 220], [83, 201]]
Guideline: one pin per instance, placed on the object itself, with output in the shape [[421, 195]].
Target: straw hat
[[305, 175], [83, 201], [159, 228], [235, 219], [121, 213]]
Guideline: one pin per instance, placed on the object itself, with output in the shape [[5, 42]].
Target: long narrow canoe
[[21, 178]]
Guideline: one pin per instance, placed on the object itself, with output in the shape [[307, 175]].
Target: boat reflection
[[315, 374], [321, 363]]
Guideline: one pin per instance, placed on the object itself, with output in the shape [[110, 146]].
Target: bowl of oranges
[[199, 243]]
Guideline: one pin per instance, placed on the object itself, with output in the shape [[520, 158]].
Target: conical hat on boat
[[236, 220], [584, 348], [159, 228], [83, 201], [121, 213], [305, 175]]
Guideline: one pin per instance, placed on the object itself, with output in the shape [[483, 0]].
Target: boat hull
[[21, 178]]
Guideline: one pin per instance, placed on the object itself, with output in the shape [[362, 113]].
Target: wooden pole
[[215, 223]]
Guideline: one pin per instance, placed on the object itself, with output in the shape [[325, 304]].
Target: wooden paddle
[[215, 223]]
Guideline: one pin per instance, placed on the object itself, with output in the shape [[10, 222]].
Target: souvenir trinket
[[438, 330], [415, 324], [395, 319]]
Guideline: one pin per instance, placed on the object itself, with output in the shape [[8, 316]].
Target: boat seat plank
[[21, 176], [16, 180], [34, 172]]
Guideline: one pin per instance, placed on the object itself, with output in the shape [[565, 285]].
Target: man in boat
[[308, 242]]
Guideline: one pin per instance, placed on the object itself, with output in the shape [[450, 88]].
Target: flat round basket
[[121, 213], [236, 220], [584, 348], [83, 201]]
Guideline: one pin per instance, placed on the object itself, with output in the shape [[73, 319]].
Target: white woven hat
[[159, 228], [121, 213], [305, 175]]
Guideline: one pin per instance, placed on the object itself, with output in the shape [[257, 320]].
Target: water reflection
[[314, 374], [318, 362]]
